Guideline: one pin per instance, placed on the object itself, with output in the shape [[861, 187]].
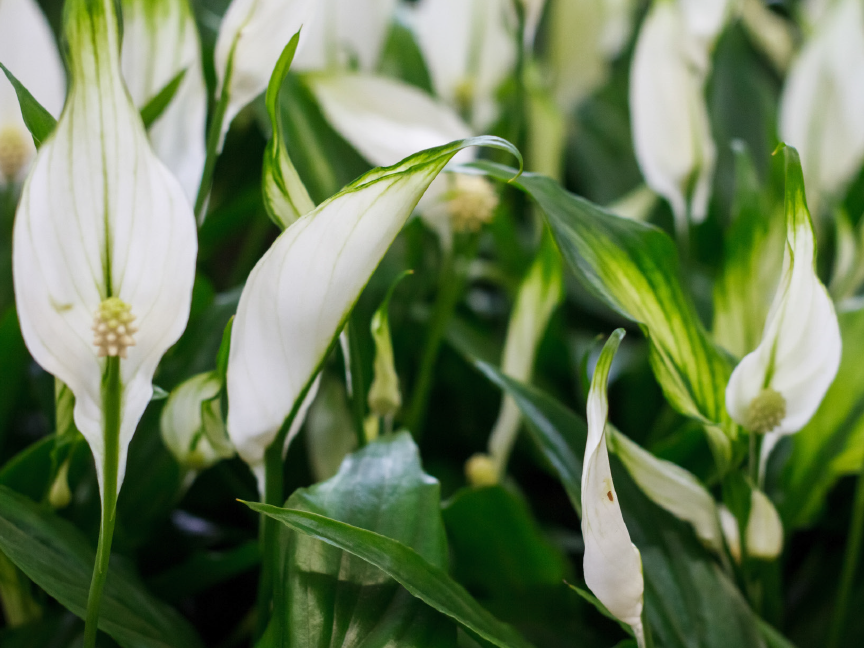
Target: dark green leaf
[[39, 121], [157, 105], [13, 363], [55, 555], [380, 488], [497, 545]]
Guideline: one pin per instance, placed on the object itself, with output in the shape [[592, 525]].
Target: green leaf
[[398, 500], [753, 258], [285, 195], [157, 105], [832, 443], [687, 597], [352, 602], [39, 121], [497, 545], [13, 364], [598, 605], [633, 267], [57, 557]]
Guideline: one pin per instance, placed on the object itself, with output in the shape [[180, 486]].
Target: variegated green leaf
[[633, 267]]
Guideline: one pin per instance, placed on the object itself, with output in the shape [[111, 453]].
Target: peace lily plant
[[288, 318], [101, 295]]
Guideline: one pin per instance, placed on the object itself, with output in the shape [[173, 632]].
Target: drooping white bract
[[344, 34], [671, 130], [28, 50], [160, 40], [613, 566], [675, 489], [470, 48], [387, 120], [251, 38], [777, 387], [822, 107], [102, 227], [299, 294]]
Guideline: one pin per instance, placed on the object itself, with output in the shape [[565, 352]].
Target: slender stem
[[753, 464], [214, 146], [273, 494], [850, 564], [450, 286], [358, 386], [111, 395]]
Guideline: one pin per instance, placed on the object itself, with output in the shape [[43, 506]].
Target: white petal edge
[[181, 421]]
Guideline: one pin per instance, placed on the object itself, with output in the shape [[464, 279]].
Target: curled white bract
[[251, 38], [822, 106], [671, 129], [100, 217], [160, 40], [612, 563], [183, 421]]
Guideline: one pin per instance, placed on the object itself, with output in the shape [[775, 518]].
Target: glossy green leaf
[[56, 556], [285, 195], [383, 489], [633, 267], [157, 105], [497, 545], [832, 443], [380, 486], [687, 597], [38, 120]]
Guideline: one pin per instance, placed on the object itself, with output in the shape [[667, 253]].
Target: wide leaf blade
[[57, 557]]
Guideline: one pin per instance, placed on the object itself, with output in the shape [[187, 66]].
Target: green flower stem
[[213, 145], [273, 494], [450, 287], [111, 397], [850, 565], [358, 386]]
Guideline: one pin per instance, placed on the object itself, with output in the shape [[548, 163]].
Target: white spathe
[[386, 120], [160, 40], [101, 216], [298, 295], [342, 34], [470, 48], [822, 106], [251, 38], [669, 485], [778, 387], [612, 564], [671, 129], [28, 49], [764, 533]]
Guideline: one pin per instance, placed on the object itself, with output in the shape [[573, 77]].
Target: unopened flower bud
[[480, 470], [60, 495], [764, 533], [14, 151]]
